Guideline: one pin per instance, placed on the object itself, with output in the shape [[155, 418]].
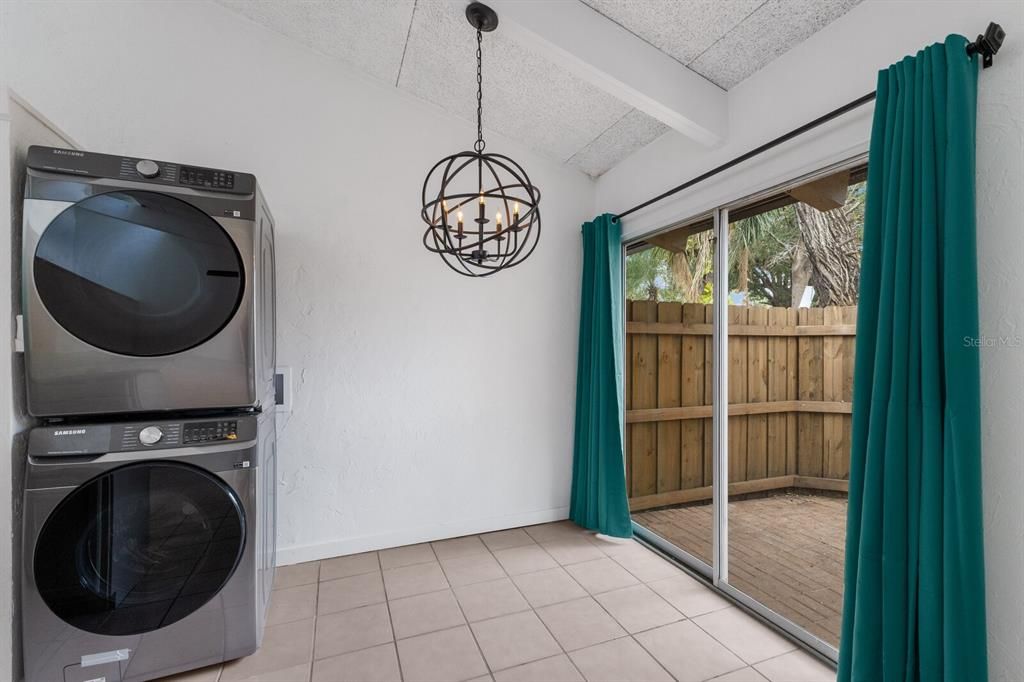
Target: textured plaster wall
[[1001, 280], [829, 69], [425, 404]]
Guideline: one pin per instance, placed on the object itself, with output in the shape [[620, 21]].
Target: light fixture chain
[[458, 227], [480, 144]]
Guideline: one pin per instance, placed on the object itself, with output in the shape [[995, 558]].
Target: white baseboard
[[410, 536]]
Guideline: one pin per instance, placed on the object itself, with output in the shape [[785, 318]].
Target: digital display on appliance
[[204, 432], [206, 177]]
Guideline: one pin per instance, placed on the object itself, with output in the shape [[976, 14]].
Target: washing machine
[[147, 286], [148, 547]]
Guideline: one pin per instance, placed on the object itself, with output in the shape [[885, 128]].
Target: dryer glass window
[[139, 548], [138, 273]]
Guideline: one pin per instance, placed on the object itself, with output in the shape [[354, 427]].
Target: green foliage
[[770, 240], [762, 251], [649, 276]]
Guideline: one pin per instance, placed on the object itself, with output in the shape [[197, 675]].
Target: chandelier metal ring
[[462, 191]]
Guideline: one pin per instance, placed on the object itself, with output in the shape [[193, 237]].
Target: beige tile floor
[[545, 603]]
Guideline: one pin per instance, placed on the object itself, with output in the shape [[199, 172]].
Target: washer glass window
[[139, 547], [138, 273]]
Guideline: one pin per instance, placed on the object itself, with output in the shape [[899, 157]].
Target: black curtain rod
[[986, 45]]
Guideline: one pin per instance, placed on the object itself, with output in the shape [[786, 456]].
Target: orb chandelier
[[482, 212]]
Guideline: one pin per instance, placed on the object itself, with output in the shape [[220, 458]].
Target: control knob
[[151, 435], [147, 168]]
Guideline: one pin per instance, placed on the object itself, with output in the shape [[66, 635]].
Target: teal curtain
[[598, 470], [914, 603]]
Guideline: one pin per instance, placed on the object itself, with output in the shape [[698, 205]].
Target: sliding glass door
[[739, 414], [669, 380]]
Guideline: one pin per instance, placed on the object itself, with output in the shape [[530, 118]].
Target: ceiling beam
[[606, 55]]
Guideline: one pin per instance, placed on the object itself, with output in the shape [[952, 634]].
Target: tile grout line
[[534, 609], [488, 552], [536, 615], [387, 605], [451, 588], [616, 620], [469, 626], [591, 596], [736, 653], [655, 658], [632, 635], [316, 619]]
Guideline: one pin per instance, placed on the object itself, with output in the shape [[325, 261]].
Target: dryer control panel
[[92, 439], [91, 164]]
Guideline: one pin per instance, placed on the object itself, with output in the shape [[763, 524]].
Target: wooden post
[[737, 394], [643, 437], [757, 392], [811, 379], [670, 453], [693, 371], [778, 382]]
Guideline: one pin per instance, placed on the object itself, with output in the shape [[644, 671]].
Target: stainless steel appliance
[[148, 547], [148, 286]]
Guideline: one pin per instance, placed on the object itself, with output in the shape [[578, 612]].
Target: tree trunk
[[743, 276], [801, 274], [690, 278], [830, 239], [683, 275]]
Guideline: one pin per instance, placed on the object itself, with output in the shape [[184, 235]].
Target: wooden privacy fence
[[790, 387]]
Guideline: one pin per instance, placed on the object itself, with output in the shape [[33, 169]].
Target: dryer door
[[138, 273], [139, 547]]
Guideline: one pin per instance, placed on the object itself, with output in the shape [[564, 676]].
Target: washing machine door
[[139, 547], [138, 273]]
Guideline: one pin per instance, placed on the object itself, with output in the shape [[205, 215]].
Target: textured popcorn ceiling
[[426, 48], [723, 40]]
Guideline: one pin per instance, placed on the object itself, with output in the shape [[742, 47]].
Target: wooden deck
[[785, 550]]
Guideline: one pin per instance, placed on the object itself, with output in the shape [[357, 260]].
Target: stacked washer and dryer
[[149, 502]]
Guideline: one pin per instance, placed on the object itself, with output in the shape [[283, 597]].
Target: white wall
[[426, 404], [831, 68]]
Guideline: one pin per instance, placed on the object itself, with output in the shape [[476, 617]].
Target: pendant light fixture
[[482, 212]]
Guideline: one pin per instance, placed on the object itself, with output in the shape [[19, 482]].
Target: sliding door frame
[[720, 421], [720, 399], [718, 572]]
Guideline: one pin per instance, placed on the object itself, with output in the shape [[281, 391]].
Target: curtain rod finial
[[988, 44]]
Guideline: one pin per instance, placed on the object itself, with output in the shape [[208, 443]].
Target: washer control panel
[[151, 435], [148, 435], [156, 435], [211, 431]]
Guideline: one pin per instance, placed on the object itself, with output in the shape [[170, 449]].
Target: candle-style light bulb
[[497, 219], [444, 212], [460, 224], [515, 212]]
